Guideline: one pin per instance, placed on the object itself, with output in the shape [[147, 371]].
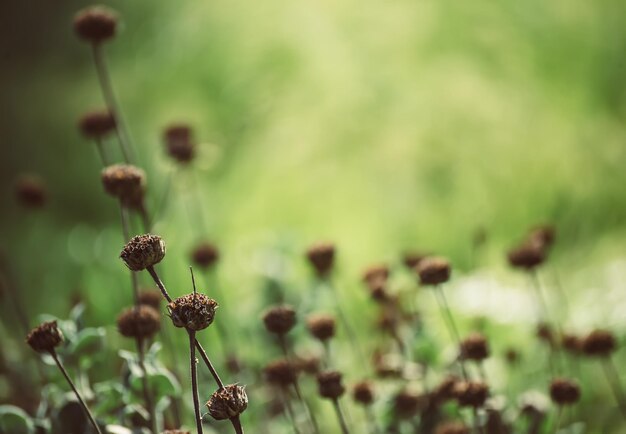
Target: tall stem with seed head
[[340, 417], [194, 379]]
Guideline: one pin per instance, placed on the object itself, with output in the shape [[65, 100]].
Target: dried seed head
[[433, 271], [412, 259], [445, 391], [179, 142], [45, 337], [280, 373], [322, 256], [546, 334], [388, 365], [95, 24], [321, 326], [97, 124], [452, 428], [151, 297], [30, 191], [143, 251], [571, 343], [564, 391], [475, 347], [126, 183], [471, 393], [599, 343], [192, 311], [376, 275], [408, 403], [279, 319], [141, 322], [379, 293], [204, 255], [363, 392], [228, 402], [329, 384], [512, 356], [527, 256], [544, 235], [308, 364]]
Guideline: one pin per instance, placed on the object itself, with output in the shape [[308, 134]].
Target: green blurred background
[[379, 125]]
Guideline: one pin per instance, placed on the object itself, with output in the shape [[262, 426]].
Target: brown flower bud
[[599, 343], [379, 293], [280, 373], [204, 255], [228, 402], [126, 183], [30, 191], [97, 124], [140, 322], [143, 251], [571, 343], [329, 384], [512, 356], [433, 271], [179, 142], [471, 393], [544, 235], [95, 24], [151, 298], [452, 428], [564, 391], [321, 326], [412, 259], [546, 334], [308, 364], [475, 347], [194, 312], [445, 391], [527, 256], [376, 275], [363, 392], [322, 256], [45, 337], [279, 319], [408, 403]]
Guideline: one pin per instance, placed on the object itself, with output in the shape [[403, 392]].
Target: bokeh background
[[381, 126]]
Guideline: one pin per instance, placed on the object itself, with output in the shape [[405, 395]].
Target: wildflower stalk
[[613, 379], [194, 379], [290, 412], [340, 417], [447, 314], [78, 396], [536, 284], [101, 152]]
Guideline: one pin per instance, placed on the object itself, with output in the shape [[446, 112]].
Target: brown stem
[[237, 425], [71, 383], [194, 379], [340, 416]]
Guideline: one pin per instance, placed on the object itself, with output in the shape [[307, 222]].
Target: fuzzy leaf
[[14, 420]]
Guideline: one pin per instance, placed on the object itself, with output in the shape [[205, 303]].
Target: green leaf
[[161, 384], [14, 420], [117, 429], [87, 341]]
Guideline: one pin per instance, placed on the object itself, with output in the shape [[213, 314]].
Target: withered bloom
[[308, 364], [445, 391], [412, 259], [545, 334], [179, 142], [192, 311], [150, 298], [280, 373], [228, 402], [126, 183], [452, 428], [97, 124], [143, 251], [329, 384], [95, 24], [599, 343], [471, 393], [141, 322], [30, 191], [571, 343], [204, 255], [433, 270], [527, 256], [544, 235], [475, 347], [45, 337], [322, 256], [408, 403], [376, 275], [564, 391], [280, 319], [321, 326], [363, 392]]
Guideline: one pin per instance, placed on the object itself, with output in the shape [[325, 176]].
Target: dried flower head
[[376, 275], [408, 403], [571, 343], [546, 334], [141, 322], [280, 373], [179, 142], [308, 364], [97, 124], [452, 428], [544, 235], [95, 24], [388, 365], [363, 392], [412, 259], [433, 270], [475, 347], [150, 297], [527, 256], [564, 391], [322, 256], [192, 311], [599, 343], [445, 391], [204, 255], [321, 326], [228, 402], [279, 319], [380, 294], [126, 183], [329, 384], [45, 337], [143, 251], [471, 393], [30, 191]]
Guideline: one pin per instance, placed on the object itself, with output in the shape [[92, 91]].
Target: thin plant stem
[[194, 379], [610, 371], [101, 152], [482, 371], [447, 314], [144, 384], [340, 417], [557, 421], [290, 411], [554, 353], [237, 425], [111, 102], [477, 427], [162, 204], [78, 396], [371, 420]]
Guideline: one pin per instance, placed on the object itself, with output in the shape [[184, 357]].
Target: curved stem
[[80, 398], [194, 379], [342, 419], [237, 425]]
